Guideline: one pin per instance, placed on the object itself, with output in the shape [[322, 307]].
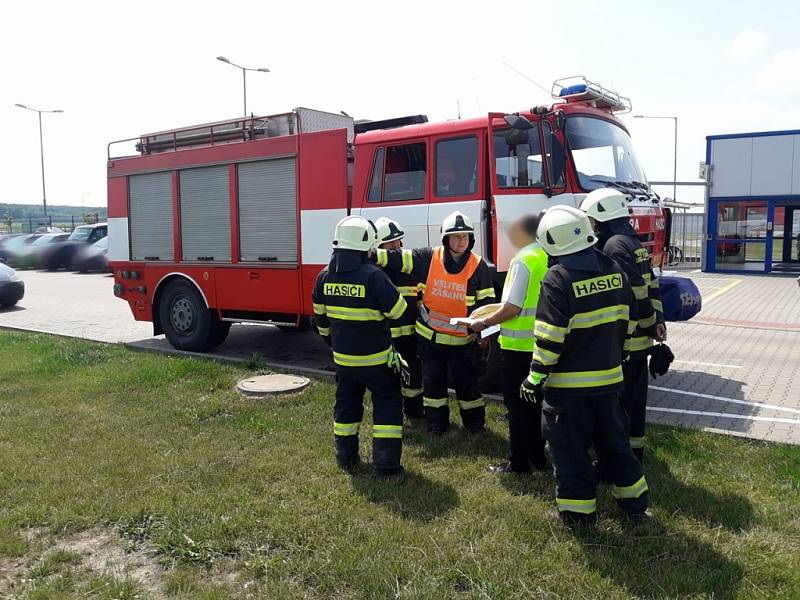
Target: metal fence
[[32, 224], [686, 238]]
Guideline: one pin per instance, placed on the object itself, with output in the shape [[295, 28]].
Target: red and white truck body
[[232, 221]]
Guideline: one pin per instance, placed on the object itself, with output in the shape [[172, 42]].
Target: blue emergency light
[[578, 88]]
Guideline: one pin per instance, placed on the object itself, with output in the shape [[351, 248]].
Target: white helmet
[[388, 230], [605, 204], [456, 222], [565, 230], [354, 233]]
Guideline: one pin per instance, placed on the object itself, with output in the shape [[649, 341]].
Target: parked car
[[18, 247], [92, 258], [5, 239], [63, 255], [36, 252], [12, 288]]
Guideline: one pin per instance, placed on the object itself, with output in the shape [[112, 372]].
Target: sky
[[122, 69]]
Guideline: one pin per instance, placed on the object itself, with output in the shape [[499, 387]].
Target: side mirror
[[518, 122], [560, 120]]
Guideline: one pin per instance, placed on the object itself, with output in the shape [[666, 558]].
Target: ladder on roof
[[242, 129]]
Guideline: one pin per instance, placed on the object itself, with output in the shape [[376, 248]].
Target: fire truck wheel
[[186, 321], [219, 332]]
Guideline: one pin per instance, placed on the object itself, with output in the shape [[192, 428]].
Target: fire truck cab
[[232, 221]]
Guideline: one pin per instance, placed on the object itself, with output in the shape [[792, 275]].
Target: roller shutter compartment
[[205, 214], [268, 211], [150, 216]]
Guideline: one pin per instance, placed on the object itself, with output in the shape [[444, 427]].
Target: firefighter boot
[[572, 520], [412, 405], [473, 415], [346, 451], [386, 454], [438, 418]]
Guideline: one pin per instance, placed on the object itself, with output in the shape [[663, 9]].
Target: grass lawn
[[127, 475]]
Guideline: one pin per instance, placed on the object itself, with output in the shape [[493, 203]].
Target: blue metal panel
[[711, 251], [784, 198], [729, 136]]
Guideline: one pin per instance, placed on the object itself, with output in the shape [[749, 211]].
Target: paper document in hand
[[468, 321]]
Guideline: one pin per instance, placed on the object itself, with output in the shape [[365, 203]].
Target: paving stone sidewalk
[[736, 361]]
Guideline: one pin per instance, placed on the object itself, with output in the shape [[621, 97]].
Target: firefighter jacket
[[619, 241], [408, 286], [586, 312], [522, 286], [352, 301], [470, 288]]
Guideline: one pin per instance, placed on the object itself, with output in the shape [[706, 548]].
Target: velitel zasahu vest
[[445, 294]]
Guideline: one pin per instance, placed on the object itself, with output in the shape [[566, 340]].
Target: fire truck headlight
[[133, 275], [118, 289], [123, 274], [142, 289]]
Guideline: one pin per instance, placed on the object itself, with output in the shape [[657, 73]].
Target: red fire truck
[[231, 221]]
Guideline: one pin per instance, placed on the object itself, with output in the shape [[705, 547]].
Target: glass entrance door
[[786, 240], [740, 234]]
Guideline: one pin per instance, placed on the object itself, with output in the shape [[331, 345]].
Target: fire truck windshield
[[602, 153]]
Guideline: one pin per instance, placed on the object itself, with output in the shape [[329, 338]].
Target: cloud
[[781, 74], [746, 45]]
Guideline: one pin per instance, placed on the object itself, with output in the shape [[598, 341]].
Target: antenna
[[521, 74], [458, 107]]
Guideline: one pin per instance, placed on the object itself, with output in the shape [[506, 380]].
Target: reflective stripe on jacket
[[418, 263], [627, 250], [352, 309], [445, 293], [408, 286], [583, 320], [517, 333]]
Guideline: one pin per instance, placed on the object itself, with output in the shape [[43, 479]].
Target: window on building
[[457, 167]]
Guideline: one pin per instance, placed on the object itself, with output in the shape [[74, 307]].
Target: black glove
[[660, 359], [531, 392]]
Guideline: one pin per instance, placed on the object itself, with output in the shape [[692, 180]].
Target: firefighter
[[608, 212], [404, 337], [352, 301], [454, 281], [585, 314], [516, 317]]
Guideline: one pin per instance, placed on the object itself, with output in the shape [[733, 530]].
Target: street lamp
[[244, 76], [675, 154], [41, 147]]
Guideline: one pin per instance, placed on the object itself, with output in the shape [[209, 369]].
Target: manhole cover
[[277, 383]]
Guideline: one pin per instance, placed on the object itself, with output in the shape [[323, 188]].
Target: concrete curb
[[230, 360]]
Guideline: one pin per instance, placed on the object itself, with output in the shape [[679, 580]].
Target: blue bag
[[680, 297]]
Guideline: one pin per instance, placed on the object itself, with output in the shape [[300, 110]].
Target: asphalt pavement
[[735, 371]]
